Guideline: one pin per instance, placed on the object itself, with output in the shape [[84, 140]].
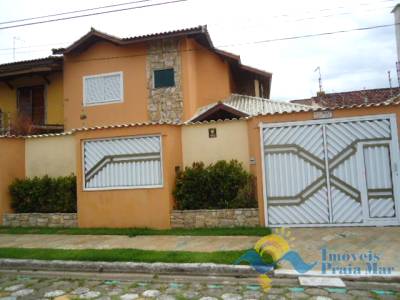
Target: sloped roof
[[332, 100], [251, 106], [93, 36]]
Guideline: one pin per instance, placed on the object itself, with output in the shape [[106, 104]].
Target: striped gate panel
[[379, 181], [123, 162], [344, 172], [295, 181]]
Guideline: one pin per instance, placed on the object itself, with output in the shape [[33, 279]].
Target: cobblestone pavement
[[13, 286]]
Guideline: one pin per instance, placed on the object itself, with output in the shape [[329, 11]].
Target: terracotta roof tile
[[331, 100]]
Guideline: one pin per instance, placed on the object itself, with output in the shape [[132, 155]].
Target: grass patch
[[120, 255], [249, 231]]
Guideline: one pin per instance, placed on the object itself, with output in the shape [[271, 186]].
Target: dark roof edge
[[36, 61], [93, 33], [237, 59], [218, 107]]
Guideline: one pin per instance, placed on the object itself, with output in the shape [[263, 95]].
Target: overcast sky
[[348, 61]]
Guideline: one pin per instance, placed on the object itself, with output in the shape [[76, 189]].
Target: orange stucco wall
[[255, 144], [206, 77], [12, 165], [106, 58], [131, 207]]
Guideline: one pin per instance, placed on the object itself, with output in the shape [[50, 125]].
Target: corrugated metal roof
[[256, 105], [72, 131], [253, 106]]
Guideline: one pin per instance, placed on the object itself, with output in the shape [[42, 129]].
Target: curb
[[285, 273], [127, 267]]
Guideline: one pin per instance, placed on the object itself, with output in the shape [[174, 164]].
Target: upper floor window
[[31, 104], [164, 78], [103, 88]]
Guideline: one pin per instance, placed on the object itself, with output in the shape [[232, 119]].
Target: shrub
[[217, 186], [44, 195]]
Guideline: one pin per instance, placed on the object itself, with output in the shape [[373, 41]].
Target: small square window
[[164, 78]]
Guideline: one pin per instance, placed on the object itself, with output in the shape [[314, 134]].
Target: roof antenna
[[321, 92]]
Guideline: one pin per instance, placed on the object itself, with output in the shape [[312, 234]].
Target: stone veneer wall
[[164, 104], [40, 220], [244, 217]]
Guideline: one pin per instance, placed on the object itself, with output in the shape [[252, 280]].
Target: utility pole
[[390, 83], [398, 73]]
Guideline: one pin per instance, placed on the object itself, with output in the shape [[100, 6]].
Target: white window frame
[[86, 189], [106, 101]]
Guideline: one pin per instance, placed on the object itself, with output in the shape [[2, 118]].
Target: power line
[[92, 14], [297, 20], [338, 14], [72, 12], [254, 42], [257, 24], [310, 35], [132, 2], [286, 15]]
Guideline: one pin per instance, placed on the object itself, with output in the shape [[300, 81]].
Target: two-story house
[[104, 80]]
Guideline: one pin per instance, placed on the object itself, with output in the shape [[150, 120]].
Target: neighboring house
[[31, 92], [104, 80], [332, 100]]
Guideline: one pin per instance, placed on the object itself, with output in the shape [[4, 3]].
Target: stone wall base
[[41, 220], [243, 217]]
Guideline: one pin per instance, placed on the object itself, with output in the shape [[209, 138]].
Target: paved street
[[104, 286]]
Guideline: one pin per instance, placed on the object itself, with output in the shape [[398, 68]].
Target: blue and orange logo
[[277, 246]]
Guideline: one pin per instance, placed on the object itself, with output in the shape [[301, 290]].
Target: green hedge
[[217, 186], [44, 195]]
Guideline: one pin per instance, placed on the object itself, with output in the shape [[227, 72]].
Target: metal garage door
[[332, 172]]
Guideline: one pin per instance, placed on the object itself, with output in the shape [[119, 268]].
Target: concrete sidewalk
[[150, 242], [382, 241]]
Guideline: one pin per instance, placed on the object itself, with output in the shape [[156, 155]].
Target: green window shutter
[[164, 78]]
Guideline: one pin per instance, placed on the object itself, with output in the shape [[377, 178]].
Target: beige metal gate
[[331, 172]]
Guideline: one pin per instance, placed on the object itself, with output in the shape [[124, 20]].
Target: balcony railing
[[11, 124]]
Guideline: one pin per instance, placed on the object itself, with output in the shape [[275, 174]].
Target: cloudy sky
[[348, 61]]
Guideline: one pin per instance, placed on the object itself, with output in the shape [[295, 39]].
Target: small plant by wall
[[44, 195], [218, 186]]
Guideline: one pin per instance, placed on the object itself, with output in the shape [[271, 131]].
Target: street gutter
[[127, 267], [182, 269]]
